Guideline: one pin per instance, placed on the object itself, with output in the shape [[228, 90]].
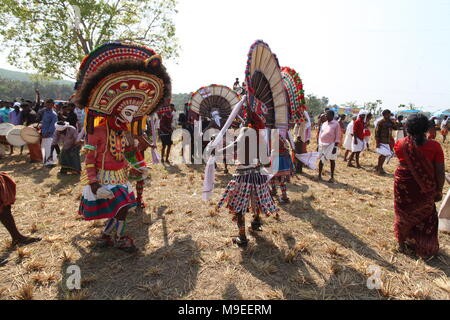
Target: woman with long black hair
[[419, 181]]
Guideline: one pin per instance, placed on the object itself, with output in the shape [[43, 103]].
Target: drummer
[[15, 118], [4, 118], [3, 142], [15, 115], [29, 118], [4, 114], [49, 119]]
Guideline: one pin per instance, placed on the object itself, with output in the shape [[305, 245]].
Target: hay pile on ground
[[322, 247]]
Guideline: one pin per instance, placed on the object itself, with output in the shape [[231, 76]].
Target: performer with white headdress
[[213, 102], [119, 84], [358, 143]]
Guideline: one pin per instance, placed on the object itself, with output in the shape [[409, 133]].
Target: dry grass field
[[321, 248]]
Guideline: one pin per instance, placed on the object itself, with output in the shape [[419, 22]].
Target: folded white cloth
[[358, 147], [102, 193], [326, 152], [385, 150], [309, 159]]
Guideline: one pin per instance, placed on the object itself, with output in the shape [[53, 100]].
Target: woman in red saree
[[419, 181]]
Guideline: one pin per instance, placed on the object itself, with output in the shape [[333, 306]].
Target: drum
[[13, 137], [30, 135], [4, 128]]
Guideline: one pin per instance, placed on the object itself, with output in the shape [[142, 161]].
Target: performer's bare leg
[[284, 197], [123, 242], [242, 240], [273, 188], [139, 193], [256, 223], [107, 238]]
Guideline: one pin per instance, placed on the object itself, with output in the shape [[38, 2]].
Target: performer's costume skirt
[[285, 169], [92, 208], [248, 186]]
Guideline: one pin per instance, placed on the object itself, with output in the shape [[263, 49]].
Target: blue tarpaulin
[[441, 113], [409, 111]]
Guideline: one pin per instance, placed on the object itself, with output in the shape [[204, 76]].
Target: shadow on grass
[[169, 272], [231, 293], [337, 185], [293, 279], [174, 169], [64, 181], [22, 168], [4, 257], [441, 262], [334, 231]]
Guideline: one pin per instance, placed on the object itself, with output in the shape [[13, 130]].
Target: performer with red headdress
[[265, 107], [119, 84]]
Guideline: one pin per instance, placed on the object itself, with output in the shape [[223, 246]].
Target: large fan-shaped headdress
[[117, 75], [296, 95], [266, 93], [213, 98]]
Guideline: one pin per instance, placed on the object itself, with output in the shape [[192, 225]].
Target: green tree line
[[11, 90], [14, 90]]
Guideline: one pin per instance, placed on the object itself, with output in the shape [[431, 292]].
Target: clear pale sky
[[397, 51]]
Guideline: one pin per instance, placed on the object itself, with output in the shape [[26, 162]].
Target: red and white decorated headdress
[[117, 75]]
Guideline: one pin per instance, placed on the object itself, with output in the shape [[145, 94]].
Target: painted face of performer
[[127, 114], [120, 123]]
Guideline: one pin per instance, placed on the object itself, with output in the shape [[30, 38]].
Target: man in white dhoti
[[349, 138], [329, 139], [383, 137], [358, 143]]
